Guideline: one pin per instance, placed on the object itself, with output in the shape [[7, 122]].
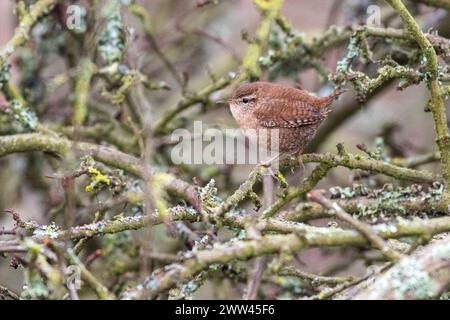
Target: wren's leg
[[298, 155]]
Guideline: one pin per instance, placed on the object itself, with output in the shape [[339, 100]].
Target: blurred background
[[203, 42]]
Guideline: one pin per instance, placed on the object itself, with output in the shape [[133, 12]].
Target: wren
[[295, 113]]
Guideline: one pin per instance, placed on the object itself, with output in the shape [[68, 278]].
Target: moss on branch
[[436, 103], [82, 86]]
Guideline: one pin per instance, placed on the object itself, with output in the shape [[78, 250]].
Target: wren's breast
[[243, 117]]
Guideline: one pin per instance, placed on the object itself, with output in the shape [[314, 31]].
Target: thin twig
[[8, 293], [376, 241]]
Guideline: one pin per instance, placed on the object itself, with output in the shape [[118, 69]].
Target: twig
[[316, 280], [21, 34], [329, 292], [255, 279], [307, 185], [143, 15], [8, 293], [81, 91], [415, 161], [260, 263], [238, 195], [82, 242], [376, 241]]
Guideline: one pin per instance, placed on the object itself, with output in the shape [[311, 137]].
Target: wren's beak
[[223, 103]]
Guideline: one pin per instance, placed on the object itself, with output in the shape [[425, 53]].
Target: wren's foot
[[268, 163], [265, 164], [300, 160], [298, 157]]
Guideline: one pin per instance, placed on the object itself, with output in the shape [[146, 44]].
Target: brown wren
[[294, 112]]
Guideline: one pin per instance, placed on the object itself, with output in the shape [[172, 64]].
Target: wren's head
[[243, 102], [245, 95]]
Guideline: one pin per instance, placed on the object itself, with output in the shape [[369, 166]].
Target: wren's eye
[[247, 100]]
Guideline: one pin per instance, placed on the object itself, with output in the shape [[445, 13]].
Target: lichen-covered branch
[[436, 103], [327, 161], [82, 87], [370, 207], [238, 195], [6, 292], [360, 162], [269, 244], [424, 275], [101, 291], [27, 21], [306, 185]]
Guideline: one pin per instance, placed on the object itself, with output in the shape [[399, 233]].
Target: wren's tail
[[326, 101], [337, 92]]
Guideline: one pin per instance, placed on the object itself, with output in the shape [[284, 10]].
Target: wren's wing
[[288, 113]]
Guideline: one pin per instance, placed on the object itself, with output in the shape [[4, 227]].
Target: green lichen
[[111, 44], [25, 117], [35, 288], [255, 199], [407, 279], [209, 198], [388, 199], [50, 231], [343, 65], [187, 291], [81, 92]]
